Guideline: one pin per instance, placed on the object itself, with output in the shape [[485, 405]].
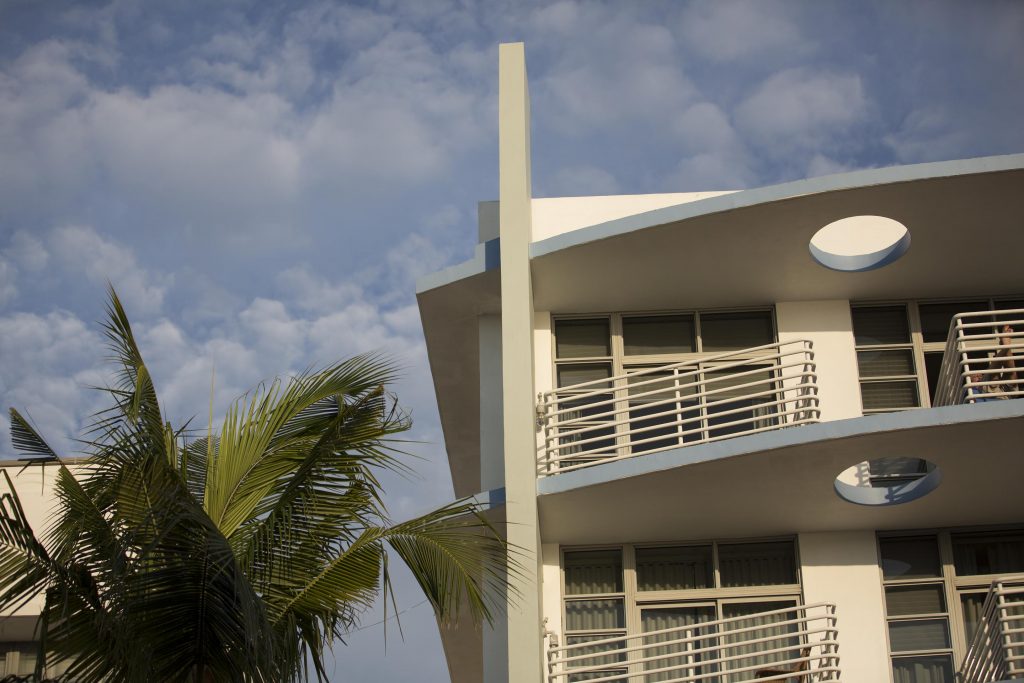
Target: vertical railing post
[[963, 377], [1006, 665]]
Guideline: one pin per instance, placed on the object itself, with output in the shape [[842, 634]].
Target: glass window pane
[[613, 657], [1010, 305], [926, 634], [593, 571], [658, 334], [895, 471], [909, 558], [773, 635], [926, 669], [932, 368], [889, 395], [672, 656], [904, 600], [988, 553], [571, 375], [886, 363], [935, 318], [681, 568], [582, 338], [757, 564], [27, 662], [880, 325], [971, 604], [594, 615], [734, 331]]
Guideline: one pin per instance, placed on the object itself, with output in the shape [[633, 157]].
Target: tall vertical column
[[524, 624]]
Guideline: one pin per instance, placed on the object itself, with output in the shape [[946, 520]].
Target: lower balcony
[[799, 643], [661, 407], [996, 652]]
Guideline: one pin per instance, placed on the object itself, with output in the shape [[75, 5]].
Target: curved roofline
[[486, 255], [773, 193]]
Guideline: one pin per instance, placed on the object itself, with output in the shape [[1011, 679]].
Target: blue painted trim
[[773, 193], [782, 438], [487, 256], [890, 495], [859, 263], [490, 499]]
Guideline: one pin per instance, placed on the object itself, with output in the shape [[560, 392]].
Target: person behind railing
[[1001, 379]]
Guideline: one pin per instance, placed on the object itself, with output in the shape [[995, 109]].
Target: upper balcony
[[984, 358], [660, 407]]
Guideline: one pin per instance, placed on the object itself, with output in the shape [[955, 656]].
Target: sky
[[263, 182]]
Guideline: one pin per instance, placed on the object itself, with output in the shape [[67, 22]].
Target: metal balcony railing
[[798, 643], [996, 652], [658, 407], [984, 358]]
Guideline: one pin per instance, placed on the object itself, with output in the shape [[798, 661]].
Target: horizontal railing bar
[[828, 608], [678, 436], [561, 431], [711, 674], [603, 458], [710, 648], [672, 382], [711, 662], [678, 399], [746, 355]]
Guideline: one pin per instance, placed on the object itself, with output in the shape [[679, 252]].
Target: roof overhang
[[783, 482]]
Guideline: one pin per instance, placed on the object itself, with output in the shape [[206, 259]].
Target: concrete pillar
[[828, 324], [524, 621], [842, 568]]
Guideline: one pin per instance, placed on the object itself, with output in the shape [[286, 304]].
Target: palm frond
[[27, 440], [457, 558]]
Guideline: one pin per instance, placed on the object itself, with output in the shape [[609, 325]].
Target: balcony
[[660, 407], [798, 643], [984, 358], [996, 652]]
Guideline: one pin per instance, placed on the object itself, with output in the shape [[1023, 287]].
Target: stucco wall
[[829, 326], [557, 215], [842, 568]]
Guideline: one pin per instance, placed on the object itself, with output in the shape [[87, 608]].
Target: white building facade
[[759, 435]]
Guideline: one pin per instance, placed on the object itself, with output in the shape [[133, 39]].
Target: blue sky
[[263, 182]]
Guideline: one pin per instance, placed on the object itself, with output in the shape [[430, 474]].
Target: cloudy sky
[[263, 182]]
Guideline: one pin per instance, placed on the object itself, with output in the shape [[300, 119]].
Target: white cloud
[[8, 281], [49, 361], [82, 249], [27, 252], [583, 180], [737, 30], [803, 108], [626, 70], [822, 165], [931, 132]]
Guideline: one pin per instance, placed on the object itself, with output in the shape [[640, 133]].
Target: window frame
[[920, 348], [953, 587], [635, 601], [620, 363]]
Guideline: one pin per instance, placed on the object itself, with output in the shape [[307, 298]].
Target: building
[[756, 434]]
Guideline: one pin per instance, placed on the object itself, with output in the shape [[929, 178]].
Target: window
[[935, 585], [652, 588], [885, 358], [696, 399], [900, 348]]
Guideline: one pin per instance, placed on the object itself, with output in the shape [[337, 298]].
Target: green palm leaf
[[236, 555]]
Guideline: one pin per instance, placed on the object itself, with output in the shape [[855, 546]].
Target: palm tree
[[241, 555]]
